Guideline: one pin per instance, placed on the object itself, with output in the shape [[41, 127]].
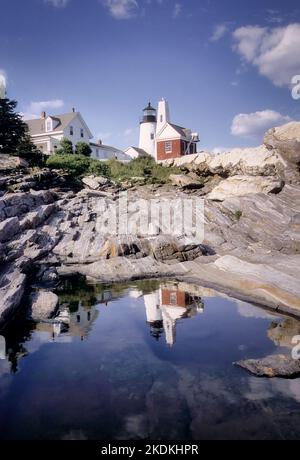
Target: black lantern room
[[149, 114]]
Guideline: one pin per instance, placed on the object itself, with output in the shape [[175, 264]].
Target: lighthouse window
[[152, 136], [168, 147]]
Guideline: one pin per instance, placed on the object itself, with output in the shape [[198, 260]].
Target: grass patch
[[238, 215], [145, 168]]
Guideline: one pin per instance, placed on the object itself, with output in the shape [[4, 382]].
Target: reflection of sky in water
[[146, 361]]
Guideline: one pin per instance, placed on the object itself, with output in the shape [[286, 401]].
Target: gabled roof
[[141, 152], [182, 132], [37, 125], [106, 147]]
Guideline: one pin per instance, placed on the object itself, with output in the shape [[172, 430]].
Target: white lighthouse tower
[[148, 130], [163, 115]]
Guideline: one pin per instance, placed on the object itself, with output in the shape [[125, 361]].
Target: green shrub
[[145, 167], [66, 147], [82, 148], [98, 168]]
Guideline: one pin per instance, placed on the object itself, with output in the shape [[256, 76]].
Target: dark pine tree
[[12, 127], [14, 136]]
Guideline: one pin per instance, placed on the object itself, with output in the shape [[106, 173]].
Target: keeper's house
[[47, 131]]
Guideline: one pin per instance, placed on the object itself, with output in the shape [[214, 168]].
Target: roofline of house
[[86, 126], [57, 117], [48, 133], [110, 147]]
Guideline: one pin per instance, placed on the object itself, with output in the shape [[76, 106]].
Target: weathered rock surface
[[95, 182], [12, 286], [8, 162], [43, 305], [272, 366], [258, 161], [8, 228], [286, 139], [251, 242], [123, 269], [182, 180], [245, 185]]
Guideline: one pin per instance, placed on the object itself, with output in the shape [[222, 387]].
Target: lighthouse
[[163, 115], [148, 130], [161, 138]]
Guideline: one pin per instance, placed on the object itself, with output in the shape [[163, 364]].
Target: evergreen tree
[[12, 127], [27, 150]]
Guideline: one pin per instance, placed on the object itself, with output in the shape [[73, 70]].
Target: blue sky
[[225, 66]]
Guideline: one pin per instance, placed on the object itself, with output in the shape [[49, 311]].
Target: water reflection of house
[[165, 307], [70, 324], [75, 322]]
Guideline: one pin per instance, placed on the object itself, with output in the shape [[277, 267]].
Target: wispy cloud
[[35, 108], [58, 3], [121, 9], [254, 125], [178, 7], [273, 51], [274, 16], [219, 31]]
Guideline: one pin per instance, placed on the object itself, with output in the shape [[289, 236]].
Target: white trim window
[[82, 132], [168, 147], [71, 131]]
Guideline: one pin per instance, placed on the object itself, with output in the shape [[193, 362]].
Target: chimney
[[43, 115], [73, 109], [99, 142]]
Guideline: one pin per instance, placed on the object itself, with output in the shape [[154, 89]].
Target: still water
[[146, 361]]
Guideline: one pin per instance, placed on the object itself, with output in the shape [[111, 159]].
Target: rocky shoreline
[[251, 221]]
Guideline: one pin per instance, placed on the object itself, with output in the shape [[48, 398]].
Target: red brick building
[[174, 141]]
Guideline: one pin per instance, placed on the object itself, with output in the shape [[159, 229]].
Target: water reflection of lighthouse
[[165, 307]]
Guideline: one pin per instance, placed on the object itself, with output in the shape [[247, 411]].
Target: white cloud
[[58, 3], [35, 108], [257, 123], [273, 51], [219, 31], [177, 10], [121, 9], [3, 81]]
